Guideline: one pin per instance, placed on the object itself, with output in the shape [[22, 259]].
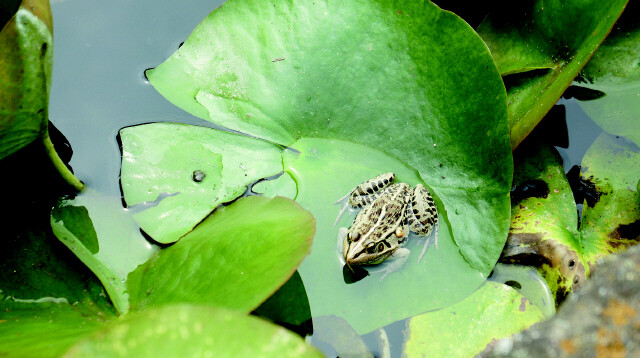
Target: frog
[[389, 213]]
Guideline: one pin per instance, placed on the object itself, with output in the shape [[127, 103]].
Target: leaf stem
[[62, 168]]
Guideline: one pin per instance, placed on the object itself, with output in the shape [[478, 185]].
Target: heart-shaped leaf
[[401, 87], [236, 258], [545, 44]]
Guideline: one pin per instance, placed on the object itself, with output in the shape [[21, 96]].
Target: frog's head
[[368, 249]]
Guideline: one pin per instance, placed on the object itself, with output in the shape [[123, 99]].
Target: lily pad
[[613, 71], [463, 330], [540, 46], [431, 109], [104, 236], [183, 172], [445, 271], [401, 87], [236, 258], [192, 331], [26, 61]]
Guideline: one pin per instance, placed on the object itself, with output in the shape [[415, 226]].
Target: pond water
[[101, 52]]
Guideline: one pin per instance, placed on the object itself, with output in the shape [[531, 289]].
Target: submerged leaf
[[464, 329], [445, 271], [613, 71]]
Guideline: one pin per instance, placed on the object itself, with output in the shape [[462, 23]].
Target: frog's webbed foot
[[428, 241], [342, 210], [395, 262], [342, 234]]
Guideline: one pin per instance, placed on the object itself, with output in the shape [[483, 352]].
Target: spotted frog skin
[[389, 212]]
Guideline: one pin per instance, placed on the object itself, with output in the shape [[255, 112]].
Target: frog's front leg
[[365, 193], [395, 262]]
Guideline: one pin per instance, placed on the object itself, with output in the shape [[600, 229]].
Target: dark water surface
[[101, 51]]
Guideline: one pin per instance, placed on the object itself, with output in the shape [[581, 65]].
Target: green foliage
[[236, 258], [26, 60], [192, 331], [540, 46]]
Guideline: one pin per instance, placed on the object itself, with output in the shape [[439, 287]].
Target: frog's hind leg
[[365, 193], [422, 215]]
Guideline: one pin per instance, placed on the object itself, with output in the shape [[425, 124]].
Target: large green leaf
[[236, 258], [464, 330], [105, 237], [543, 45], [192, 331], [189, 171], [26, 61], [613, 73], [402, 87]]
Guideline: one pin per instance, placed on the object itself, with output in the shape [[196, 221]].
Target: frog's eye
[[371, 248], [354, 236]]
